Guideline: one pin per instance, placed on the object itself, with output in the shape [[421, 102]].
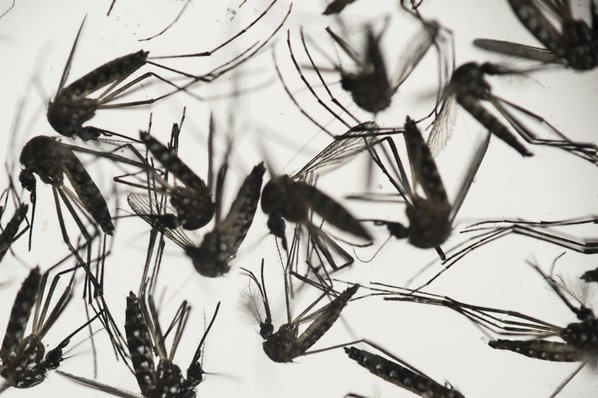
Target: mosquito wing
[[145, 208], [340, 151]]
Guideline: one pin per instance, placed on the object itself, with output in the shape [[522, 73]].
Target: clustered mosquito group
[[312, 231]]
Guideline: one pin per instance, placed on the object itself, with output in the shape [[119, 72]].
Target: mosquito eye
[[27, 180]]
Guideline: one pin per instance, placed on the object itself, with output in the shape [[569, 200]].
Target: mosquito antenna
[[205, 334]]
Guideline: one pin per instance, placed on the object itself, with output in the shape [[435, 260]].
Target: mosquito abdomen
[[538, 25], [325, 319], [539, 349], [88, 193], [331, 211], [486, 119], [103, 75], [19, 315], [400, 375], [140, 345]]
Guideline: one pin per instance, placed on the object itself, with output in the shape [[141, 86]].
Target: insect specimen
[[144, 337], [400, 373], [211, 257], [193, 201], [566, 40], [23, 362], [72, 106], [286, 343], [51, 161], [469, 89], [430, 217], [579, 339], [370, 86]]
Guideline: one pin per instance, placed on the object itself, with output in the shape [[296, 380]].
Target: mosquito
[[145, 337], [286, 344], [72, 106], [566, 40], [193, 201], [579, 339], [51, 161], [430, 217], [23, 362], [212, 256], [469, 89], [400, 373], [370, 85]]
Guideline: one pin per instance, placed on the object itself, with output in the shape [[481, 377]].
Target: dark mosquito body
[[52, 161], [212, 256], [370, 85], [145, 341], [292, 198], [72, 105], [579, 340], [25, 362], [401, 374], [567, 40], [286, 344], [469, 88], [193, 202], [430, 217]]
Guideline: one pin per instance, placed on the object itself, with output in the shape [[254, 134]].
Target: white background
[[36, 37]]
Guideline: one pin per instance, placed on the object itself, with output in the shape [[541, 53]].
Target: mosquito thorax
[[281, 198], [368, 90], [468, 79], [67, 116], [583, 335], [212, 257], [428, 226], [194, 209], [279, 346], [170, 382]]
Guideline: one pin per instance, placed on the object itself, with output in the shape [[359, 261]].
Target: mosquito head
[[468, 79], [397, 229], [27, 180], [54, 356], [194, 374], [266, 330], [277, 226], [584, 313]]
